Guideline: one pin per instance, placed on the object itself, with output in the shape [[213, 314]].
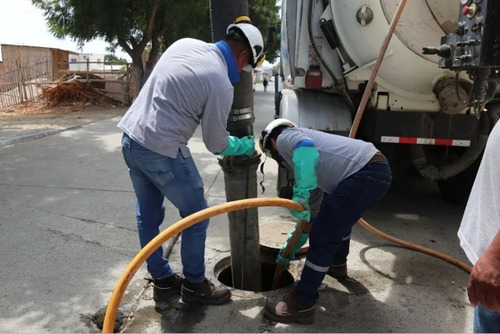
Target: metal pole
[[240, 172]]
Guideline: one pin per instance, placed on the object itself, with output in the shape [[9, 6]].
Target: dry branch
[[75, 91]]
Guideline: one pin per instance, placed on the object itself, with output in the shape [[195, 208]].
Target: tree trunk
[[138, 72]]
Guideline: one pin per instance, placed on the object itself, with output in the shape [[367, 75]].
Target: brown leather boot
[[204, 293], [166, 288], [338, 271], [290, 310]]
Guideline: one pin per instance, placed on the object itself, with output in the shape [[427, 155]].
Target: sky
[[21, 23]]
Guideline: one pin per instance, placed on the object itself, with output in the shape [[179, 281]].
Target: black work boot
[[291, 309], [166, 288], [204, 293], [338, 271]]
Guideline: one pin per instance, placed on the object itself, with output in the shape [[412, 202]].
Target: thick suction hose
[[144, 253]]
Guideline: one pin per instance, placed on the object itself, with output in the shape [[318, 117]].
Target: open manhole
[[223, 273], [273, 236]]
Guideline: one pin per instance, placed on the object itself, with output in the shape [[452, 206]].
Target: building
[[86, 62], [33, 67], [17, 55]]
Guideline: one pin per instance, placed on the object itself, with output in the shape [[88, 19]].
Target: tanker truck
[[434, 98]]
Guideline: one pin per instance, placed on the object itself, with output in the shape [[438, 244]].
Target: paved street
[[67, 232]]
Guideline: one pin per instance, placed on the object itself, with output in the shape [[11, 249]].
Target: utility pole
[[240, 172]]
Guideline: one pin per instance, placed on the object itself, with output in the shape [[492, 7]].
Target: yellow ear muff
[[260, 60], [242, 19]]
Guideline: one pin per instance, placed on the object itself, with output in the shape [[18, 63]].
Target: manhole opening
[[223, 273]]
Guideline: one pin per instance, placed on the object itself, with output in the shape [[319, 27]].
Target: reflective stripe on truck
[[425, 141]]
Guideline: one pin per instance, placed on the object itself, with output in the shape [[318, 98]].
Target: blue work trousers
[[339, 211], [486, 321], [155, 177]]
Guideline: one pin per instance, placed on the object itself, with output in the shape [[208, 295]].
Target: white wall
[[78, 62]]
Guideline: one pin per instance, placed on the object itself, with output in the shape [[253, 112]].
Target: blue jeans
[[486, 321], [155, 177], [339, 211]]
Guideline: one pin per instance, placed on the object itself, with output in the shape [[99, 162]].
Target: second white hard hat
[[264, 138]]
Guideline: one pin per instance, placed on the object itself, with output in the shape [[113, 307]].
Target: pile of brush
[[75, 91]]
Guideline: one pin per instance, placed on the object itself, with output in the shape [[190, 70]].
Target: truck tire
[[456, 189]]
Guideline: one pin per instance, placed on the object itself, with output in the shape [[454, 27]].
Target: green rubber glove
[[239, 146], [301, 197], [284, 261], [305, 159]]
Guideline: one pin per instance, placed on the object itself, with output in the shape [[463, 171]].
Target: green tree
[[111, 58], [265, 15], [142, 25]]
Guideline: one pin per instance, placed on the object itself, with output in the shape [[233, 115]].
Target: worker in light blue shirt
[[190, 85], [336, 180]]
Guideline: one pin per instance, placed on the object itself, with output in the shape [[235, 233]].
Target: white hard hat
[[251, 36], [264, 138]]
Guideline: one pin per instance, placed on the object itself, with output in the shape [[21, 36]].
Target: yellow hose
[[144, 253], [182, 224]]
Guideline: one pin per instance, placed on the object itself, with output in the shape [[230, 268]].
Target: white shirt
[[481, 219]]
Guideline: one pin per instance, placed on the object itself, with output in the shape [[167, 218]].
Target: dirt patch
[[40, 109]]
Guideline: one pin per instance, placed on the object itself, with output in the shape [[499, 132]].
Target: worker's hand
[[239, 146], [248, 143], [304, 201], [483, 286], [284, 261]]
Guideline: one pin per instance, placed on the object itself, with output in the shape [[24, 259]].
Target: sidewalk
[[67, 232]]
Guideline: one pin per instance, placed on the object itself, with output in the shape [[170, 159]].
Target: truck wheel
[[456, 189]]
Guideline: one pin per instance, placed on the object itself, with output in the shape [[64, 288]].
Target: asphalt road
[[67, 232]]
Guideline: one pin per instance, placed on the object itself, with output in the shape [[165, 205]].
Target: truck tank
[[431, 107]]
